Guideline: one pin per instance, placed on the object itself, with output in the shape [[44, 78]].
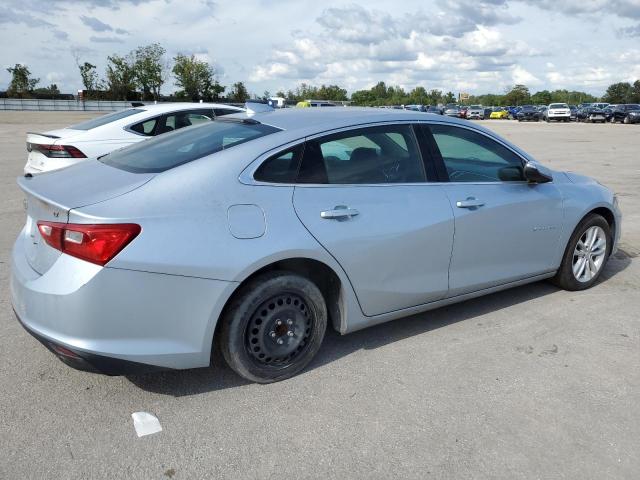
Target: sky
[[458, 45]]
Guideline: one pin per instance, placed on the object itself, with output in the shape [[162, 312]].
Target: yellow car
[[499, 114]]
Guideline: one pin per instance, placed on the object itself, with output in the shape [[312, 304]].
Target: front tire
[[273, 327], [586, 254]]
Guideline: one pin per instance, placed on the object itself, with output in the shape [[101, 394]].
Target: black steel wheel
[[279, 330], [273, 327]]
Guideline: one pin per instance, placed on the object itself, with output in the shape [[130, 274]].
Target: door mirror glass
[[510, 174], [536, 173]]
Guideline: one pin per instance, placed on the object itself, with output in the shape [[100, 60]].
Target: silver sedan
[[251, 234]]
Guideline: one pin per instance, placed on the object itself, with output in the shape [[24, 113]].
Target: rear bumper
[[90, 362], [115, 320]]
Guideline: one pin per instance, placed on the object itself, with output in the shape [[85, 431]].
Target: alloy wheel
[[589, 254]]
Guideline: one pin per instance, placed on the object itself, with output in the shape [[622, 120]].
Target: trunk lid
[[51, 196]]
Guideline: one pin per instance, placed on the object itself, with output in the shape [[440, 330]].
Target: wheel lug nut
[[290, 322], [273, 334], [278, 322], [290, 333], [280, 341]]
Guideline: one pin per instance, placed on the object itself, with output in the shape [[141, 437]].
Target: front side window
[[374, 155], [168, 151], [469, 156]]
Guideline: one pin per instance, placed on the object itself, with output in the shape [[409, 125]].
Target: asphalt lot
[[533, 382]]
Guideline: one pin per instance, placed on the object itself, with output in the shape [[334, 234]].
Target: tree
[[635, 94], [89, 76], [121, 77], [50, 90], [21, 84], [619, 93], [518, 95], [332, 92], [196, 78], [149, 69], [543, 97], [238, 93], [449, 98]]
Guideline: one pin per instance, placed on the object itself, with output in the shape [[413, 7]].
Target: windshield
[[558, 105], [185, 145], [103, 120]]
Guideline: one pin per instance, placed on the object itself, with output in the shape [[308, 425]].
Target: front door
[[506, 229]]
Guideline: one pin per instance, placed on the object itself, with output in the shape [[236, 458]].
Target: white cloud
[[475, 45]]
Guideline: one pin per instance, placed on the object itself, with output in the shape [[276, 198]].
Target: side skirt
[[365, 322]]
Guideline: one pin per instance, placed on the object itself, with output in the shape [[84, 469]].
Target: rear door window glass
[[385, 154], [224, 111]]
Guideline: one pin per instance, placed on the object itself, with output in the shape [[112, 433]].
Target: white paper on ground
[[145, 423]]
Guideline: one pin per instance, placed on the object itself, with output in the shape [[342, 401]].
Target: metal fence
[[62, 105]]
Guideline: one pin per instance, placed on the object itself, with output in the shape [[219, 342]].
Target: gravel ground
[[533, 382]]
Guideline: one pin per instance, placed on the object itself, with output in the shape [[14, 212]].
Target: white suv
[[559, 112]]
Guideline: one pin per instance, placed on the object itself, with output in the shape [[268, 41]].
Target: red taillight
[[94, 243], [58, 151]]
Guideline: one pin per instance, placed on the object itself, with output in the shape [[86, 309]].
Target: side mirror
[[536, 173]]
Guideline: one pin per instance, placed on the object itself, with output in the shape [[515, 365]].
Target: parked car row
[[559, 112]]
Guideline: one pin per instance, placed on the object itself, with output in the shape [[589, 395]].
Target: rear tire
[[273, 327], [586, 254]]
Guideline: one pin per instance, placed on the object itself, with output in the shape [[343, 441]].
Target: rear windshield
[[111, 117], [185, 145], [558, 105]]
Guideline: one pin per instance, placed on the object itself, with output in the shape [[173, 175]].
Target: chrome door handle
[[339, 212], [470, 202]]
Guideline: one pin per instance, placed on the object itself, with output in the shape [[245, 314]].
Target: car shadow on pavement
[[180, 383]]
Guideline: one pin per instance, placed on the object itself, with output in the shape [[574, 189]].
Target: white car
[[558, 111], [475, 111], [90, 139]]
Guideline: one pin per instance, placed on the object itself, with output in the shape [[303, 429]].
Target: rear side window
[[374, 155], [280, 168], [145, 128], [469, 156], [111, 117], [168, 151]]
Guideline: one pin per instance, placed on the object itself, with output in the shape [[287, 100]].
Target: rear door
[[506, 229], [362, 193]]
